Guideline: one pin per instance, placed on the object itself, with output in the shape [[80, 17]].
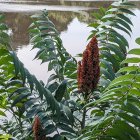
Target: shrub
[[102, 105]]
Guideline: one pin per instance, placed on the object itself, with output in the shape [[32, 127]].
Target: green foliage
[[4, 137], [138, 41], [4, 37], [121, 118], [45, 37], [115, 116], [26, 97], [113, 45], [110, 112]]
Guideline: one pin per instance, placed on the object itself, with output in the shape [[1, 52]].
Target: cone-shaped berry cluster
[[38, 130], [88, 68]]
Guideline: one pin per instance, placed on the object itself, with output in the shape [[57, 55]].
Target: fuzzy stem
[[83, 119], [84, 111]]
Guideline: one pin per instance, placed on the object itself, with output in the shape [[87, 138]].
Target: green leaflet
[[124, 129], [2, 113], [64, 127], [20, 98], [111, 58], [125, 18], [131, 108], [122, 79], [5, 136], [106, 73], [129, 69], [107, 65], [124, 24], [131, 119], [138, 41], [60, 91], [16, 63], [117, 26], [134, 51], [126, 11], [132, 60]]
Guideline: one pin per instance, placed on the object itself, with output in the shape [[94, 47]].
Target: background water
[[71, 18]]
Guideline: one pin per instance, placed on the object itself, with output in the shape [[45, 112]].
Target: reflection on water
[[84, 3], [19, 23], [74, 40], [70, 17]]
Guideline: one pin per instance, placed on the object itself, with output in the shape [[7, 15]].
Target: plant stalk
[[83, 119]]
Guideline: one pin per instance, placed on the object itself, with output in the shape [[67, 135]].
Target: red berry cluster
[[38, 130], [88, 68]]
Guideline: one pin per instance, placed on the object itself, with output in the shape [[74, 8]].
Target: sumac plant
[[96, 98]]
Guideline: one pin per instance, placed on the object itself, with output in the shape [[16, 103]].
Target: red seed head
[[38, 130], [88, 68]]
